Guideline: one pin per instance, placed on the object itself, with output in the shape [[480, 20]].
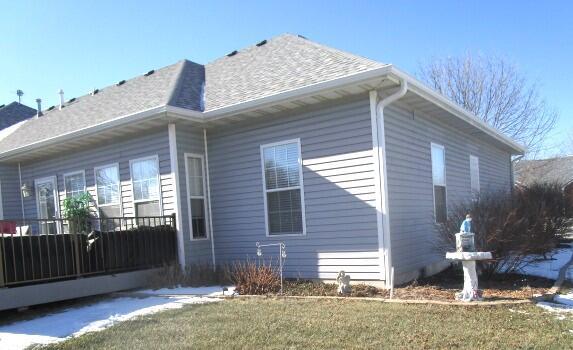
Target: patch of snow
[[73, 322], [211, 291], [566, 299], [548, 268], [561, 311]]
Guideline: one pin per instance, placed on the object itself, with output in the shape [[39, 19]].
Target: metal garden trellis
[[282, 256]]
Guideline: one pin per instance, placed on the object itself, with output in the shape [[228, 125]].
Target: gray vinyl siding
[[190, 140], [10, 187], [409, 171], [121, 152], [339, 192]]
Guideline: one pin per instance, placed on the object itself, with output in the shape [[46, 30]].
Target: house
[[557, 170], [14, 113], [348, 161]]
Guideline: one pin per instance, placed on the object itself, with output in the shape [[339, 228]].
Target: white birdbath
[[468, 259]]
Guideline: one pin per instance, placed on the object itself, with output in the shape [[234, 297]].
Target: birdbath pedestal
[[468, 259]]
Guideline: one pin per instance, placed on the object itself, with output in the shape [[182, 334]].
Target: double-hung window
[[196, 199], [474, 174], [145, 185], [108, 191], [74, 184], [439, 182], [283, 187]]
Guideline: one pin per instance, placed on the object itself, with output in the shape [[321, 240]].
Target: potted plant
[[77, 211]]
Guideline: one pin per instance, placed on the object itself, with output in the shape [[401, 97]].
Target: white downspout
[[387, 252], [21, 195], [209, 199]]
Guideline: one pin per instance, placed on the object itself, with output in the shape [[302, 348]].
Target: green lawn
[[328, 324]]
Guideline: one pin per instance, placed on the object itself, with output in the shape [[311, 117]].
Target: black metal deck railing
[[39, 251]]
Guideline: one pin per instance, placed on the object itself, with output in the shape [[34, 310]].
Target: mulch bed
[[442, 286]]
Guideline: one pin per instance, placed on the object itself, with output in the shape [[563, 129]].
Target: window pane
[[440, 204], [147, 209], [144, 178], [198, 218], [438, 165], [195, 180], [74, 184], [284, 212], [107, 183], [281, 166]]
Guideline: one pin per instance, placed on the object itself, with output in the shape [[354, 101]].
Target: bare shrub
[[252, 278], [513, 226]]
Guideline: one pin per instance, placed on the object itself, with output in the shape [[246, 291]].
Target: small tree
[[495, 91], [514, 226], [77, 212]]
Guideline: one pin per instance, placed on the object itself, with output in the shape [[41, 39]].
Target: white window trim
[[154, 157], [474, 192], [54, 180], [432, 145], [301, 187], [204, 197], [120, 199], [82, 172]]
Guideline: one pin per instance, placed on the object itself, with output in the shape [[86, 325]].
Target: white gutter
[[151, 113], [387, 71], [382, 205]]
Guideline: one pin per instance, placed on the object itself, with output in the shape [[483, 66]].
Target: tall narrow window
[[474, 174], [74, 183], [283, 188], [196, 199], [145, 183], [439, 182], [107, 190]]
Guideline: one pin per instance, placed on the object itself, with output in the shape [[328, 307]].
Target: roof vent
[[149, 73], [39, 102], [232, 53], [302, 37], [261, 43], [94, 91], [71, 100], [61, 93], [51, 108], [2, 106], [121, 82]]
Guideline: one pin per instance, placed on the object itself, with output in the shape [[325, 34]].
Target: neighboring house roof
[[283, 65], [14, 113], [559, 170]]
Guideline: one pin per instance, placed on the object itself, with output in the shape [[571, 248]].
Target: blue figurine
[[467, 224]]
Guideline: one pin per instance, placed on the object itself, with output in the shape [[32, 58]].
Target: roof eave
[[151, 113], [422, 90]]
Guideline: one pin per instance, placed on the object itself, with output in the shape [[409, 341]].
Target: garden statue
[[465, 252], [343, 283]]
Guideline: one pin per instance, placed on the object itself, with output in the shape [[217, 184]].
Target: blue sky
[[80, 45]]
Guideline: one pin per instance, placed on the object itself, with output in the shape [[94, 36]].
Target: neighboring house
[[557, 170], [349, 161], [10, 116], [14, 113]]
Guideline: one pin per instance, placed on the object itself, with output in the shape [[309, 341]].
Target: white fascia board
[[151, 113], [422, 90], [297, 93]]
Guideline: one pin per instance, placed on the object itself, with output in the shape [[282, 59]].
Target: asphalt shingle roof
[[13, 113], [283, 63]]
